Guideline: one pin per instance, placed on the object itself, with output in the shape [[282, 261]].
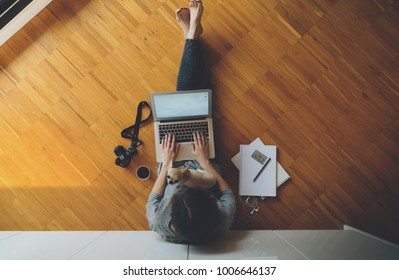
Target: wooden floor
[[319, 79]]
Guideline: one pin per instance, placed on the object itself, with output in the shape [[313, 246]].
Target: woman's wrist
[[166, 165], [205, 163]]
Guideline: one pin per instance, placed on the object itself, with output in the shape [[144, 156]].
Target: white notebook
[[282, 175], [258, 170]]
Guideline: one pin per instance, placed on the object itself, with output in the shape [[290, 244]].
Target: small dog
[[191, 178]]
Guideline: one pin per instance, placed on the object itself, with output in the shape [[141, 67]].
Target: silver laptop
[[182, 113]]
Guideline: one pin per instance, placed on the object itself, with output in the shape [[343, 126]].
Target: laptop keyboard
[[183, 131]]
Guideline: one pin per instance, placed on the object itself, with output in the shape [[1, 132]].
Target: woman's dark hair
[[194, 215]]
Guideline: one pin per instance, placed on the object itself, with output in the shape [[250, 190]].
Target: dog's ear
[[183, 168]]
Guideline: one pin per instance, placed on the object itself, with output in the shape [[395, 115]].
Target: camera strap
[[132, 132]]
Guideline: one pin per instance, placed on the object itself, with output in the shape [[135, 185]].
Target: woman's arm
[[169, 154], [200, 150]]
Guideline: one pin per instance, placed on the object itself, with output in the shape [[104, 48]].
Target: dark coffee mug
[[143, 172]]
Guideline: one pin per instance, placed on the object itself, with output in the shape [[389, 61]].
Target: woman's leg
[[192, 73]]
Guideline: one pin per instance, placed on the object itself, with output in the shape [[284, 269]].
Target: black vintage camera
[[124, 156]]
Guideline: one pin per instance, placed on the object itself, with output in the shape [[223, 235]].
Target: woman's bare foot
[[183, 17], [196, 10]]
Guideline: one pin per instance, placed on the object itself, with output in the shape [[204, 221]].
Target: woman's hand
[[200, 148], [169, 150]]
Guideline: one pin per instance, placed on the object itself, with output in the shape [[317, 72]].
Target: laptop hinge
[[184, 120]]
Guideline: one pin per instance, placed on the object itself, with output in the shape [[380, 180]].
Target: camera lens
[[119, 150]]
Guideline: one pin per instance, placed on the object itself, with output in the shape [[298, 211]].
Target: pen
[[263, 168]]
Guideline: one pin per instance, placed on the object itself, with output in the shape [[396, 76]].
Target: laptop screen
[[183, 105]]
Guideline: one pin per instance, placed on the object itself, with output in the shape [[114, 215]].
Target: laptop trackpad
[[185, 152]]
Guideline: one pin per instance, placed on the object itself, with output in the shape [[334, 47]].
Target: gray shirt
[[159, 209]]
